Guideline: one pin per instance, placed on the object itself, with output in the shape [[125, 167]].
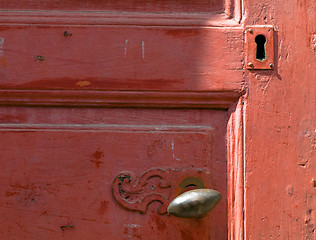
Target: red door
[[110, 110], [107, 117]]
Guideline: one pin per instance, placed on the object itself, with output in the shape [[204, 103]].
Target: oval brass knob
[[194, 204]]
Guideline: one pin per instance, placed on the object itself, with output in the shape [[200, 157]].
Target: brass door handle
[[194, 203]]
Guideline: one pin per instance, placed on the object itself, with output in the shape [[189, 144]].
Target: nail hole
[[67, 34], [261, 51], [66, 226], [39, 59]]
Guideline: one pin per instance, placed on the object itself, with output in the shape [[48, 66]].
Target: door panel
[[58, 177], [120, 57]]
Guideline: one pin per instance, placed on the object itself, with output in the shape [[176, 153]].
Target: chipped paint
[[125, 47], [3, 62], [67, 34], [313, 183], [2, 59], [83, 83], [1, 45], [131, 231], [133, 225], [289, 190], [96, 157], [173, 155], [143, 49]]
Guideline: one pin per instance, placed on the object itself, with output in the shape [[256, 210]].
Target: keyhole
[[261, 51], [190, 187]]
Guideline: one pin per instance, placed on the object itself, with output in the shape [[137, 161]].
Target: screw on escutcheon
[[250, 30], [271, 65], [250, 65]]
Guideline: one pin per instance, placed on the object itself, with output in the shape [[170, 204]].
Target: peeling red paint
[[96, 157], [103, 207]]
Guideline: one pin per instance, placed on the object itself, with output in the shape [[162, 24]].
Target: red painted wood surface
[[121, 58], [71, 62], [60, 169], [280, 196], [107, 53], [60, 160]]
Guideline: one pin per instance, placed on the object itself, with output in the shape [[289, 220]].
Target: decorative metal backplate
[[161, 185]]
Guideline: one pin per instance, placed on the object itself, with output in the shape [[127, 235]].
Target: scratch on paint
[[47, 229], [143, 49], [19, 225], [125, 47], [2, 59], [174, 157], [1, 45], [133, 225]]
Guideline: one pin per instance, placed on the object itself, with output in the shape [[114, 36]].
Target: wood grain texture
[[280, 126]]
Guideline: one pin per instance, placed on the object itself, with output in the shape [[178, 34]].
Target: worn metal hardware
[[156, 185], [259, 47], [194, 203], [250, 65]]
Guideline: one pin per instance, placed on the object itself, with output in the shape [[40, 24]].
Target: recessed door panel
[[58, 179]]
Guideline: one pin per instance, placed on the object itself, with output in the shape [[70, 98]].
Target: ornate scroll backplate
[[161, 185]]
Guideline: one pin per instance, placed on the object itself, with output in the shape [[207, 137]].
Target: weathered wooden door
[[111, 109]]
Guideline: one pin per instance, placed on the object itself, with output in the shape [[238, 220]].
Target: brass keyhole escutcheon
[[259, 51]]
